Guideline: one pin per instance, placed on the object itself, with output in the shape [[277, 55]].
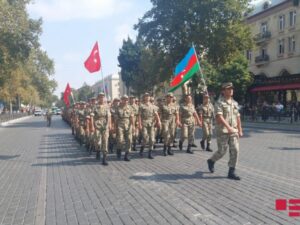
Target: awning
[[276, 87]]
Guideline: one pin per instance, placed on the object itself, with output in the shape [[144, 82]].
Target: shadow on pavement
[[173, 177], [7, 157], [285, 149]]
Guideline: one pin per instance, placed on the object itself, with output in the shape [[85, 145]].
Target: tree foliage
[[25, 70], [168, 30]]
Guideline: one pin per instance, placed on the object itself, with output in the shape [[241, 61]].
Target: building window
[[263, 52], [281, 22], [292, 44], [264, 28], [292, 18], [249, 55], [281, 47]]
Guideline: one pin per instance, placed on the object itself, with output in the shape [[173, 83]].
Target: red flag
[[67, 93], [93, 63]]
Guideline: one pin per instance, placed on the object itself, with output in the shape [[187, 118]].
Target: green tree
[[129, 59], [214, 27], [26, 70]]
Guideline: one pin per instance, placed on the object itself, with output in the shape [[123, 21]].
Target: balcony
[[262, 37], [262, 59]]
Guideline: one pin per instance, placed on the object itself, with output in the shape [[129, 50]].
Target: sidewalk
[[272, 125], [4, 124]]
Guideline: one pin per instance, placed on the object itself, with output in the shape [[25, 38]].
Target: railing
[[262, 59], [262, 36], [269, 114], [7, 116]]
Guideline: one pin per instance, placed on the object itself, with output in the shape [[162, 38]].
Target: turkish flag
[[67, 93], [93, 63]]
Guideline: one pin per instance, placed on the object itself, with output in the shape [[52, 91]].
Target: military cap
[[170, 94], [131, 96], [82, 102], [116, 99], [101, 94], [124, 97], [146, 94], [227, 85], [93, 98]]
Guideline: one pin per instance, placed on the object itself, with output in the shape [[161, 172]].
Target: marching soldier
[[135, 130], [188, 116], [82, 121], [174, 123], [206, 114], [166, 112], [124, 124], [101, 120], [112, 134], [228, 130], [148, 117]]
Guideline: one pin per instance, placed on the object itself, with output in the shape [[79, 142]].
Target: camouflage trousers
[[124, 137], [224, 142], [148, 133], [168, 131], [188, 132], [207, 130], [101, 139]]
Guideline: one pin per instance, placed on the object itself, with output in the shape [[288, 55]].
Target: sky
[[71, 28]]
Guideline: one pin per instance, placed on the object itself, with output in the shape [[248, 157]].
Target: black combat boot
[[208, 147], [119, 153], [161, 140], [194, 145], [174, 144], [170, 151], [104, 160], [98, 155], [150, 154], [189, 150], [211, 165], [202, 143], [180, 145], [141, 151], [232, 175], [165, 150], [126, 158]]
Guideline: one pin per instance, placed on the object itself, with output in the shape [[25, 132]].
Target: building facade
[[275, 60], [112, 85]]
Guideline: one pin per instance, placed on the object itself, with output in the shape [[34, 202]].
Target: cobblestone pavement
[[47, 178]]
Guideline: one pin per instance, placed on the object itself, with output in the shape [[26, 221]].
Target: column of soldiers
[[118, 127]]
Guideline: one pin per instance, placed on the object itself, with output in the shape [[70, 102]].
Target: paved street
[[46, 178]]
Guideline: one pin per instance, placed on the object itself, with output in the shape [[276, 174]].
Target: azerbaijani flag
[[185, 70]]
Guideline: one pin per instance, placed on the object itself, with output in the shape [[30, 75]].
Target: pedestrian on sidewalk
[[228, 130]]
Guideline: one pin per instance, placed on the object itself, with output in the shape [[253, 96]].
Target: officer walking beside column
[[228, 130]]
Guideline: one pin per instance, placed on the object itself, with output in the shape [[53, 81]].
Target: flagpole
[[72, 97], [200, 70]]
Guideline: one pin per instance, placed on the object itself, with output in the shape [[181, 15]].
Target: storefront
[[285, 89]]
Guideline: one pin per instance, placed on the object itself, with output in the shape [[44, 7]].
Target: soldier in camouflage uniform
[[188, 116], [112, 134], [174, 123], [228, 130], [135, 130], [148, 117], [124, 124], [206, 114], [81, 123], [166, 112], [101, 119]]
